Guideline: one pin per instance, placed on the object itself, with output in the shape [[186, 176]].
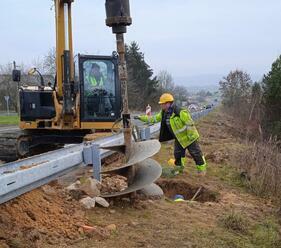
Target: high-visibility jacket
[[181, 123], [94, 82]]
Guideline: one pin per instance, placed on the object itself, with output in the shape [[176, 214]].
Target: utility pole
[[18, 98], [7, 103]]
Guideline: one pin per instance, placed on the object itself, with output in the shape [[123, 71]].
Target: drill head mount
[[118, 15]]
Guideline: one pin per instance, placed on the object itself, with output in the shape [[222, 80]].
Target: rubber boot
[[179, 168], [201, 169]]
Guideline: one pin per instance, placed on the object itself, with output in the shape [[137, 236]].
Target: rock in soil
[[88, 202], [101, 201], [152, 190], [111, 227], [74, 186], [91, 187]]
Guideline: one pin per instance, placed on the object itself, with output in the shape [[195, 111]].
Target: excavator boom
[[64, 54]]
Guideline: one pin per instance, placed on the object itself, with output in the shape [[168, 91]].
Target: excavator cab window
[[100, 88]]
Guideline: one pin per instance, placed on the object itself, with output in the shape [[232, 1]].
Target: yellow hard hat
[[166, 97]]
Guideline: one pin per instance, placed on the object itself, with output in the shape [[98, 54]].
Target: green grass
[[231, 233], [266, 234], [227, 174], [9, 119]]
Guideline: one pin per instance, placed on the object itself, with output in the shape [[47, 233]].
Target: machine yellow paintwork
[[63, 38]]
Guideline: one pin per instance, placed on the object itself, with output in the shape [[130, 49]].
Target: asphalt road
[[7, 128]]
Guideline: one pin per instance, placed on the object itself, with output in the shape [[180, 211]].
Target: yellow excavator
[[91, 98]]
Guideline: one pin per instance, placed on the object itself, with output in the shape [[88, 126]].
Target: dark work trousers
[[193, 149]]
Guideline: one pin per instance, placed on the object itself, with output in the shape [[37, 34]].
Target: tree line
[[257, 105]]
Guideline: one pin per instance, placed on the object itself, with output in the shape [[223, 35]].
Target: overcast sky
[[185, 37]]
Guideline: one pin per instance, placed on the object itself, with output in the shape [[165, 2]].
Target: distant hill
[[208, 82]]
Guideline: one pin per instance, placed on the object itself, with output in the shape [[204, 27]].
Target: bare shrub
[[235, 221], [260, 165]]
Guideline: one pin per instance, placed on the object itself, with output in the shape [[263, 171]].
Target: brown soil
[[45, 215], [48, 217], [25, 167], [97, 135]]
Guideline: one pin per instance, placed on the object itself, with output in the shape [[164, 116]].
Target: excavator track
[[24, 143], [8, 146]]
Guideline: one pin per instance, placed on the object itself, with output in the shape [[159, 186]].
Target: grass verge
[[9, 120]]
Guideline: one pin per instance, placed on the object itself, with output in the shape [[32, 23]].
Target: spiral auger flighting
[[146, 170], [139, 168]]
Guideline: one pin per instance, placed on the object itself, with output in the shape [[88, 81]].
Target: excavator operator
[[95, 77], [98, 90]]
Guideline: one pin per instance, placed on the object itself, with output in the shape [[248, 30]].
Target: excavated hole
[[180, 187]]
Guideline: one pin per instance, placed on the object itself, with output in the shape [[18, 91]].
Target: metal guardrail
[[199, 114], [25, 175], [19, 177]]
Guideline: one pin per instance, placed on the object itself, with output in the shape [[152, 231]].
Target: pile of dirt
[[116, 159], [113, 162], [113, 183], [44, 215]]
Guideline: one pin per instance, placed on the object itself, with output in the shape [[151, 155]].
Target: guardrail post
[[91, 156], [145, 133]]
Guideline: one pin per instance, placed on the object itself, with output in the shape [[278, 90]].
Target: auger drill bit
[[139, 170], [118, 17]]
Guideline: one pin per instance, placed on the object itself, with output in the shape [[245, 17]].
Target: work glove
[[136, 117]]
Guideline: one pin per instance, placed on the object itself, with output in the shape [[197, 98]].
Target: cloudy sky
[[188, 38]]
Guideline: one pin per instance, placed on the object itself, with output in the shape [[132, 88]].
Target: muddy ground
[[224, 213]]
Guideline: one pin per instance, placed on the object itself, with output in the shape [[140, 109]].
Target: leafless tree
[[236, 92], [180, 94], [7, 87], [166, 82], [49, 62]]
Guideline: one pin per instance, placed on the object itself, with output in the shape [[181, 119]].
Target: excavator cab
[[100, 91], [99, 87]]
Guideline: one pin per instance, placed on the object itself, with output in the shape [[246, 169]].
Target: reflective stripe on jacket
[[181, 123], [94, 82]]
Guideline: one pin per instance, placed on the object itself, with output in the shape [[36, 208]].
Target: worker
[[95, 76], [176, 123], [96, 88]]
